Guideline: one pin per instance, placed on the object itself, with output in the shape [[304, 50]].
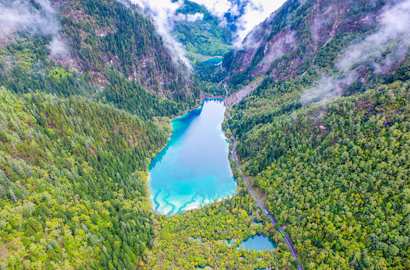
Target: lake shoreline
[[166, 174]]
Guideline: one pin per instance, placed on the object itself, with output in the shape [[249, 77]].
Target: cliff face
[[294, 38]]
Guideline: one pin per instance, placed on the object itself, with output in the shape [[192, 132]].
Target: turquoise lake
[[214, 61], [258, 243], [193, 168]]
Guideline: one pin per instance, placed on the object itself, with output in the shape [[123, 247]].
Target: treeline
[[73, 188]]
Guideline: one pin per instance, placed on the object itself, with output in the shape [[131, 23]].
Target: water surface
[[214, 61], [258, 243], [193, 168]]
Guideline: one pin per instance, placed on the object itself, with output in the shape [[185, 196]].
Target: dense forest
[[105, 55], [73, 183], [328, 154], [324, 139], [204, 37], [73, 167], [199, 238], [336, 175]]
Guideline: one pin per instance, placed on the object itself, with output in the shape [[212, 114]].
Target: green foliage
[[210, 75], [58, 74], [336, 174], [73, 183], [199, 238], [202, 37]]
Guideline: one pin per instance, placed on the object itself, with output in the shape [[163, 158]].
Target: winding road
[[235, 157]]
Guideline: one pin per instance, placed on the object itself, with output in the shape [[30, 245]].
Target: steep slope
[[103, 50], [73, 168], [108, 32], [324, 138], [72, 183], [302, 37], [201, 33]]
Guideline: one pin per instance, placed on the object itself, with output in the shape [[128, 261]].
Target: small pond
[[258, 243]]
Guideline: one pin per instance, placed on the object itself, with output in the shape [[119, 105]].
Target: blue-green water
[[258, 243], [193, 168], [214, 61]]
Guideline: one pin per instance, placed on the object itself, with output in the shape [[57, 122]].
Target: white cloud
[[250, 13], [382, 49], [255, 13], [189, 17], [216, 7], [164, 14], [58, 48], [20, 15]]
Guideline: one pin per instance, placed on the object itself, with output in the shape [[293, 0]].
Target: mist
[[380, 50], [246, 14], [21, 16], [163, 13]]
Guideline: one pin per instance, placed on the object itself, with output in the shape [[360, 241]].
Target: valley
[[156, 135]]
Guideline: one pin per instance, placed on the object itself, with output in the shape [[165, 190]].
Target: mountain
[[101, 47], [202, 36], [323, 137], [86, 89], [301, 38], [318, 94]]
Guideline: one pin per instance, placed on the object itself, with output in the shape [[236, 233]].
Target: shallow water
[[193, 168], [258, 243]]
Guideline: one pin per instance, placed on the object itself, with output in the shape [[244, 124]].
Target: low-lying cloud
[[381, 50], [164, 15], [243, 14], [22, 16], [58, 48], [190, 17]]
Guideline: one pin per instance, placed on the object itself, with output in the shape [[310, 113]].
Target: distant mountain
[[204, 36]]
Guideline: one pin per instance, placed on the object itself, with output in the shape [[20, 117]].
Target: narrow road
[[234, 157]]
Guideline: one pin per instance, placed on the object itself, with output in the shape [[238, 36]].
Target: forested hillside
[[203, 37], [73, 183], [73, 168], [325, 136], [87, 90], [105, 50], [336, 176], [303, 37]]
